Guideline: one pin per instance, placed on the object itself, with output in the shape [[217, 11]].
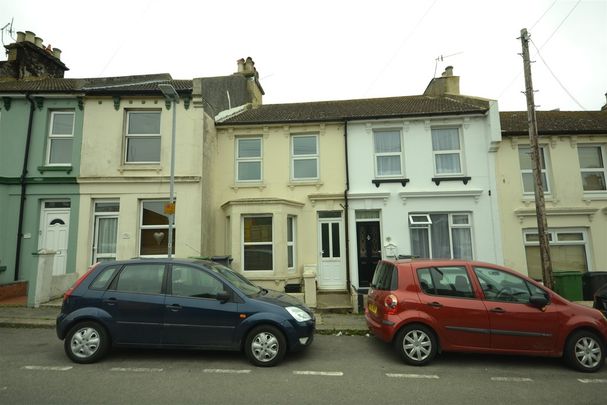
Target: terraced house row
[[302, 197]]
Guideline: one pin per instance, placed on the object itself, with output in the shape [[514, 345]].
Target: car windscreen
[[237, 280], [385, 277]]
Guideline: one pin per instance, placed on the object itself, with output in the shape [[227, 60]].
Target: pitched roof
[[136, 85], [514, 123], [390, 107]]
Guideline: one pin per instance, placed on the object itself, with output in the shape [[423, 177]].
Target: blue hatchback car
[[174, 303]]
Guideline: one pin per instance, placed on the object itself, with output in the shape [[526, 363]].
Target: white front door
[[54, 235], [332, 267]]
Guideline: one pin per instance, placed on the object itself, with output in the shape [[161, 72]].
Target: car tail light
[[69, 292], [391, 304]]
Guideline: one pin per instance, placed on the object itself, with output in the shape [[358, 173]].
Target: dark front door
[[369, 250]]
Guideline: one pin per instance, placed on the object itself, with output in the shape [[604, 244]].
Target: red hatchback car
[[428, 306]]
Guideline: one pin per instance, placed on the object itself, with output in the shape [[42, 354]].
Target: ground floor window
[[291, 230], [568, 251], [257, 243], [105, 231], [441, 235], [154, 229]]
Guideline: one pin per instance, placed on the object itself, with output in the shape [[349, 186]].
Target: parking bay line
[[137, 369], [48, 368], [511, 379], [225, 371], [592, 380], [426, 376], [320, 373]]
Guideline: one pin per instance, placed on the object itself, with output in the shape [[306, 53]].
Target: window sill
[[463, 179], [238, 186], [594, 196], [64, 168], [298, 183], [403, 181], [139, 168]]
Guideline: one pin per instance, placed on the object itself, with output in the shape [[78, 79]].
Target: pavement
[[20, 316]]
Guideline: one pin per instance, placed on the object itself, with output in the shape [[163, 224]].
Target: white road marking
[[322, 373], [428, 376], [511, 379], [592, 380], [225, 371], [137, 369], [48, 368]]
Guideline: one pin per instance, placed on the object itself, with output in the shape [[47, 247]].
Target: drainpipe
[[346, 207], [22, 182]]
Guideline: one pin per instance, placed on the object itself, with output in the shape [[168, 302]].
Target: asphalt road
[[335, 370]]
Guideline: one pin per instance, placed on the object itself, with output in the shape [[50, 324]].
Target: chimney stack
[[27, 57], [446, 84]]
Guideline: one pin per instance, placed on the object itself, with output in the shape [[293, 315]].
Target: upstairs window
[[447, 152], [142, 137], [524, 154], [248, 159], [388, 153], [304, 157], [592, 167], [60, 138]]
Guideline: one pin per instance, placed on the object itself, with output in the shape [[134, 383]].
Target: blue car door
[[135, 303], [193, 314]]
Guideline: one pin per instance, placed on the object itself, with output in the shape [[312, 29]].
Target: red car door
[[448, 296], [516, 326]]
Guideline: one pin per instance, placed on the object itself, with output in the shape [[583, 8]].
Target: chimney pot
[[38, 42], [448, 71], [20, 36], [57, 53], [30, 36]]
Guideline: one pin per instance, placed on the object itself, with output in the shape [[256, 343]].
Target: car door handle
[[110, 301], [435, 304], [497, 310], [174, 307]]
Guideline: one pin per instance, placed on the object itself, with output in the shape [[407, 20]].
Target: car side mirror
[[223, 296], [538, 301]]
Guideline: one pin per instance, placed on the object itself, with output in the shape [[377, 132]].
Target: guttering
[[346, 207], [22, 181]]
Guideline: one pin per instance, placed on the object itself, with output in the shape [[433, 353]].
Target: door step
[[333, 302]]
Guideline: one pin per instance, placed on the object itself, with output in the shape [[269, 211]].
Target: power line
[[556, 78], [400, 47]]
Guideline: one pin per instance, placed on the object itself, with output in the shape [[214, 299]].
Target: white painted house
[[421, 179]]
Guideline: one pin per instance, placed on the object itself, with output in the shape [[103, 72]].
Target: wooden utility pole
[[540, 203]]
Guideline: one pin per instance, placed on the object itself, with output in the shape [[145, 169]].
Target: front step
[[333, 302]]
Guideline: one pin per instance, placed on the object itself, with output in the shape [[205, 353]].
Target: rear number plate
[[373, 308]]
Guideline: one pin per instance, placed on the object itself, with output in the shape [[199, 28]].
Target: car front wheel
[[416, 344], [584, 351], [265, 346], [86, 342]]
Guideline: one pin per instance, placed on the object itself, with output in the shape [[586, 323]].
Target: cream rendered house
[[126, 158], [279, 197], [573, 147]]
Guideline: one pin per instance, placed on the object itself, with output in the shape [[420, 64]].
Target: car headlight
[[299, 314]]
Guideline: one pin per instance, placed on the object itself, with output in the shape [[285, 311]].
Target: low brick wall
[[16, 289]]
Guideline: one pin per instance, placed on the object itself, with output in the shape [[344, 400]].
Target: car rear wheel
[[86, 342], [584, 351], [265, 346], [416, 344]]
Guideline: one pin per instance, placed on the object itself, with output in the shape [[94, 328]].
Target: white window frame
[[52, 137], [379, 155], [96, 216], [419, 219], [553, 238], [602, 170], [292, 243], [314, 156], [264, 243], [452, 226], [142, 227], [544, 170], [459, 152], [254, 159], [128, 137]]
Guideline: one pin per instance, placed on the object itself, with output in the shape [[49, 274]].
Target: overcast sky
[[315, 50]]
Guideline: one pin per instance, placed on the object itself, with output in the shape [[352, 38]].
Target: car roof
[[418, 262], [158, 260]]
